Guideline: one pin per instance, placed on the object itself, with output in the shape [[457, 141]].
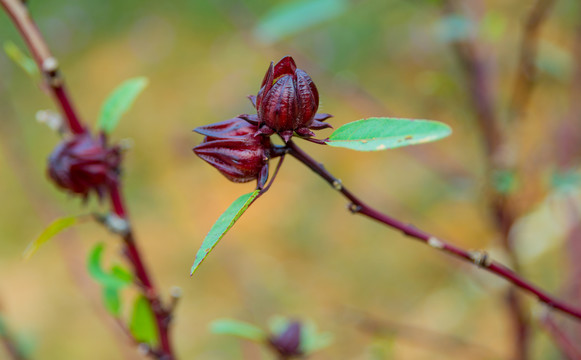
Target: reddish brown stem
[[478, 258], [47, 64], [568, 348], [49, 68], [526, 69], [162, 316]]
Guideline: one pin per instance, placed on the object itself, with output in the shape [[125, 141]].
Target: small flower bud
[[83, 164], [231, 147], [288, 343]]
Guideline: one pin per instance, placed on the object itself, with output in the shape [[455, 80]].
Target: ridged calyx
[[85, 163], [231, 147], [287, 102]]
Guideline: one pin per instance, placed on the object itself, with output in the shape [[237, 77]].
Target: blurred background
[[297, 251]]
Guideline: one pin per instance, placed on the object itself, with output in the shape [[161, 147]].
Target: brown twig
[[477, 77], [526, 72], [478, 258], [430, 339]]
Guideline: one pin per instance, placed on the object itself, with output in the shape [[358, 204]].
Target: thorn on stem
[[143, 349], [175, 296], [354, 208], [50, 65], [115, 224], [435, 243], [480, 258]]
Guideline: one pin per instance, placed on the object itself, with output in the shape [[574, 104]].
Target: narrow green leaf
[[238, 328], [26, 63], [292, 17], [119, 102], [108, 280], [222, 225], [54, 228], [112, 300], [142, 323], [387, 133], [121, 273]]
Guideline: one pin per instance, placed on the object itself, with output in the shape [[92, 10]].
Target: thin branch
[[161, 314], [9, 342], [565, 345], [426, 338], [47, 64], [526, 69], [478, 258]]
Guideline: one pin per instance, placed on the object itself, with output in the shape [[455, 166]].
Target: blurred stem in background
[[10, 343], [478, 258], [498, 139], [48, 66]]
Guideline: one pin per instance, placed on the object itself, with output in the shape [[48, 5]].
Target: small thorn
[[286, 135], [354, 208]]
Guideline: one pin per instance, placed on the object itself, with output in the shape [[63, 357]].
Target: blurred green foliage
[[297, 250]]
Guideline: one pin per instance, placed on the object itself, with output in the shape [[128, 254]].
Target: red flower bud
[[231, 147], [288, 101], [84, 163], [288, 343]]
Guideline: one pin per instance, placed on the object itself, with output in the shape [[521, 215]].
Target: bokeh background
[[297, 251]]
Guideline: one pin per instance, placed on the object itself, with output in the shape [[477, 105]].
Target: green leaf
[[238, 328], [122, 274], [116, 279], [387, 133], [26, 63], [504, 181], [53, 229], [222, 225], [119, 101], [142, 324], [112, 300], [312, 340], [292, 17]]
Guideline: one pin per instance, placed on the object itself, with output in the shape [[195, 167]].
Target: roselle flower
[[287, 102], [83, 164], [288, 343], [232, 147]]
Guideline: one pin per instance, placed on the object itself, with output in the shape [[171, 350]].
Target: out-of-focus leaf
[[54, 228], [238, 328], [119, 101], [26, 63], [564, 180], [504, 181], [387, 133], [455, 27], [554, 61], [311, 340], [142, 323], [292, 17], [121, 273], [112, 300], [116, 279], [222, 225], [493, 25]]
